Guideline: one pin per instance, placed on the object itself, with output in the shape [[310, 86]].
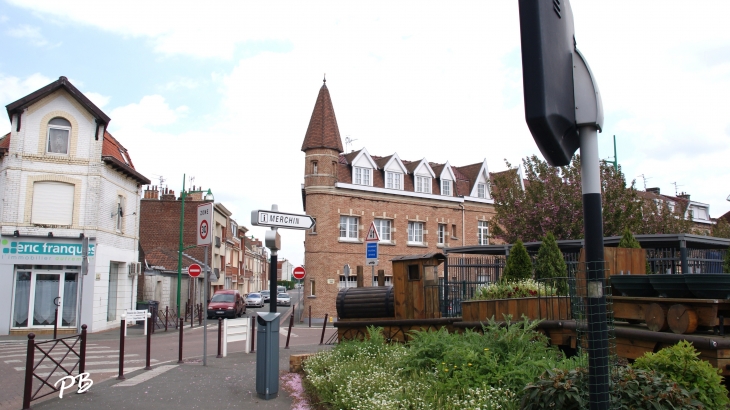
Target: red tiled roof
[[114, 154], [4, 144], [322, 131]]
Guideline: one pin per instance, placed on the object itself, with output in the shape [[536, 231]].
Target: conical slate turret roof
[[323, 131]]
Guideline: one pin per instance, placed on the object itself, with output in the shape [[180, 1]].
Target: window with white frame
[[362, 176], [59, 134], [388, 281], [347, 282], [393, 180], [120, 213], [482, 190], [383, 228], [348, 227], [423, 184], [482, 233], [415, 233], [445, 187], [53, 203], [442, 234]]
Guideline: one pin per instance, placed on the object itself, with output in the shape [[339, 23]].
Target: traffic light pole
[[598, 350]]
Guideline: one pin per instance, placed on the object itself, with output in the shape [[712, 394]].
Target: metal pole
[[121, 348], [598, 352], [324, 327], [272, 279], [205, 296], [149, 342], [166, 313], [28, 388], [288, 333], [220, 329], [180, 343], [55, 323], [84, 271], [253, 333], [180, 245], [82, 360], [372, 274], [310, 315]]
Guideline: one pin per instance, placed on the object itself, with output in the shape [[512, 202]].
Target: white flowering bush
[[519, 289], [435, 370]]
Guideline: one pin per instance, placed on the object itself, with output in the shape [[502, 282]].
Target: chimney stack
[[654, 190]]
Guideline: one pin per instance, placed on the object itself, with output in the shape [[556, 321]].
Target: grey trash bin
[[267, 355]]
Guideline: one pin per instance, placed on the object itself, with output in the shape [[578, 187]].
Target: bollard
[[324, 327], [149, 341], [166, 312], [288, 333], [310, 315], [179, 357], [28, 390], [253, 333], [186, 310], [220, 329], [200, 314], [55, 323], [121, 348], [82, 359]]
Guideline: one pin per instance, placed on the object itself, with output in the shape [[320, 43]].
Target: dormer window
[[423, 184], [482, 190], [59, 131], [393, 180], [362, 176], [445, 187]]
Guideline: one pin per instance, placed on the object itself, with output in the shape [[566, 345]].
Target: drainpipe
[[463, 233]]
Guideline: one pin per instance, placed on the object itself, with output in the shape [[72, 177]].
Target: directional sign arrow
[[281, 220]]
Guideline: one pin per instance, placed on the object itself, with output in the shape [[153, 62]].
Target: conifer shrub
[[519, 264], [551, 264], [629, 242]]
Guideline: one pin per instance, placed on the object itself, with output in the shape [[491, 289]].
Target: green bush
[[635, 389], [628, 241], [551, 264], [681, 363], [519, 265]]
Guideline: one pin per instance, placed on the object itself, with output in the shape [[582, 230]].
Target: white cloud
[[3, 18], [14, 88], [30, 33], [98, 99], [188, 83], [151, 111]]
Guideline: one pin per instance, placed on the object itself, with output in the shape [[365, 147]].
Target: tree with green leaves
[[551, 264], [628, 241], [519, 264], [721, 229], [726, 262]]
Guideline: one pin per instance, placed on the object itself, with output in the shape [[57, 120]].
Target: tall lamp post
[[206, 289], [180, 245]]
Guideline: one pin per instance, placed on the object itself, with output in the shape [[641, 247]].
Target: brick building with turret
[[418, 207]]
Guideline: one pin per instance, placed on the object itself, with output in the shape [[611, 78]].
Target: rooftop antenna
[[349, 141], [615, 156], [162, 181], [676, 191], [645, 178]]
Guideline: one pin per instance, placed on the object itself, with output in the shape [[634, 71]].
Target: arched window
[[59, 133]]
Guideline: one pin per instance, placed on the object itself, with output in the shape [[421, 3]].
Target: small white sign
[[281, 220], [136, 315]]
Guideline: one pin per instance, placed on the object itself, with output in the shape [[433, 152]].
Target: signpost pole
[[205, 296], [84, 272]]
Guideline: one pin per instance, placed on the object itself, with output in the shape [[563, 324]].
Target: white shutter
[[53, 203]]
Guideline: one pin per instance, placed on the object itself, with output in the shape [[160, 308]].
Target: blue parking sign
[[371, 250]]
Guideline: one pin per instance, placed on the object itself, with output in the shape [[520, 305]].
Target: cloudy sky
[[223, 91]]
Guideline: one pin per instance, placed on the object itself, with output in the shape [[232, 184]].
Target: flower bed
[[516, 299]]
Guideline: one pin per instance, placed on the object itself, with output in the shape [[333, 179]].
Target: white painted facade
[[97, 188]]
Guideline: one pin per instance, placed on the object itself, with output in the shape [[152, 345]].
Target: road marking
[[146, 376], [92, 371], [54, 355], [49, 366]]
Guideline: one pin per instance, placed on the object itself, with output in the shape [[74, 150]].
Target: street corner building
[[418, 207], [64, 177]]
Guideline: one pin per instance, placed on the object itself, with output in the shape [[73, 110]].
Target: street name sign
[[205, 221], [299, 273], [194, 270], [281, 220], [135, 315]]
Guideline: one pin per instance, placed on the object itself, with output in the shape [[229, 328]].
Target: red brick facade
[[329, 193]]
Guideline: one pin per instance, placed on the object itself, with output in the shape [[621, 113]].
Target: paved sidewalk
[[227, 383]]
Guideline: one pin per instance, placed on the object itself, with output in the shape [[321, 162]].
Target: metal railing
[[68, 354]]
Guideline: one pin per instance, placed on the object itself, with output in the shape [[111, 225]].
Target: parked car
[[283, 299], [266, 295], [255, 300], [226, 303]]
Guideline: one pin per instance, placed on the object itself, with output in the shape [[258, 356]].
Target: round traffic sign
[[203, 229], [299, 272], [194, 270]]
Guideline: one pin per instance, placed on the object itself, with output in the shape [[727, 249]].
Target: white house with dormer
[[64, 178]]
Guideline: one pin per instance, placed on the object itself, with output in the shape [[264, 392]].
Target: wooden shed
[[415, 286]]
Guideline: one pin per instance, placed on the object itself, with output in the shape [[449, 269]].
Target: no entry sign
[[194, 270], [299, 273]]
